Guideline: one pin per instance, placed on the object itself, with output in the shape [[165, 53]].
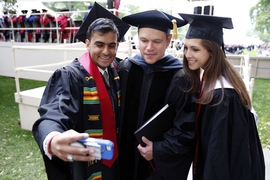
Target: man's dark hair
[[102, 25]]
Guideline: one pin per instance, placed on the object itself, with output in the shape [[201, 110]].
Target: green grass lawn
[[20, 157], [19, 154], [251, 53], [261, 103]]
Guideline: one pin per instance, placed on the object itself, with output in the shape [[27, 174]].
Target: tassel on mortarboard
[[174, 31]]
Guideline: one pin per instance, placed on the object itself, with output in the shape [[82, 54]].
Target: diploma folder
[[154, 128]]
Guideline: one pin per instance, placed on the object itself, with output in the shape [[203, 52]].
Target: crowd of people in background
[[235, 49], [27, 30], [27, 27], [262, 50]]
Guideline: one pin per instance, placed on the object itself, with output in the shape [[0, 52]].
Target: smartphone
[[103, 147], [95, 146]]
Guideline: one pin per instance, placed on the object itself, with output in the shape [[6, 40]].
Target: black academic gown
[[145, 89], [174, 154], [62, 108], [230, 147]]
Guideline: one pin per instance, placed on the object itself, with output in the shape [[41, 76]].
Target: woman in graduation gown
[[228, 145]]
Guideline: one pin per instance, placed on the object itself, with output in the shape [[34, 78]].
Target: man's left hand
[[147, 151]]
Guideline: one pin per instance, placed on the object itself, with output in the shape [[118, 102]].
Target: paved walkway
[[267, 165]]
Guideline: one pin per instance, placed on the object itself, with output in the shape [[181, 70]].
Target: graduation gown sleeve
[[174, 154], [59, 111]]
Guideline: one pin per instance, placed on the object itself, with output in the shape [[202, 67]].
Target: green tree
[[260, 16], [9, 5], [130, 9]]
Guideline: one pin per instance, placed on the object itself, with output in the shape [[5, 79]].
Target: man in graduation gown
[[149, 81], [79, 103]]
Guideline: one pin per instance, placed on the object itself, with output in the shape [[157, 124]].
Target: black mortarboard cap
[[207, 27], [44, 10], [153, 19], [24, 11], [96, 12]]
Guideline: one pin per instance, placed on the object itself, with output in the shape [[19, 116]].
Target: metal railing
[[15, 27]]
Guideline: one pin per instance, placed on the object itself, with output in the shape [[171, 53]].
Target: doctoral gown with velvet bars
[[230, 147], [145, 89], [65, 106]]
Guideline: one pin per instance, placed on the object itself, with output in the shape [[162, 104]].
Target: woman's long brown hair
[[216, 67]]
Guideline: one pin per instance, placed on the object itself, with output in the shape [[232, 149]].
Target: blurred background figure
[[89, 7], [20, 22], [30, 20], [37, 24], [45, 20], [64, 22], [2, 38], [13, 19], [6, 23]]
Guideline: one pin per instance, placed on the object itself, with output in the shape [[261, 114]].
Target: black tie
[[106, 77]]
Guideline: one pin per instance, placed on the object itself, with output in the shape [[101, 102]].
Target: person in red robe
[[45, 20], [64, 22]]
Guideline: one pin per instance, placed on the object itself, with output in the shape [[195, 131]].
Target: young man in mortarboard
[[78, 103], [228, 145], [150, 80]]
